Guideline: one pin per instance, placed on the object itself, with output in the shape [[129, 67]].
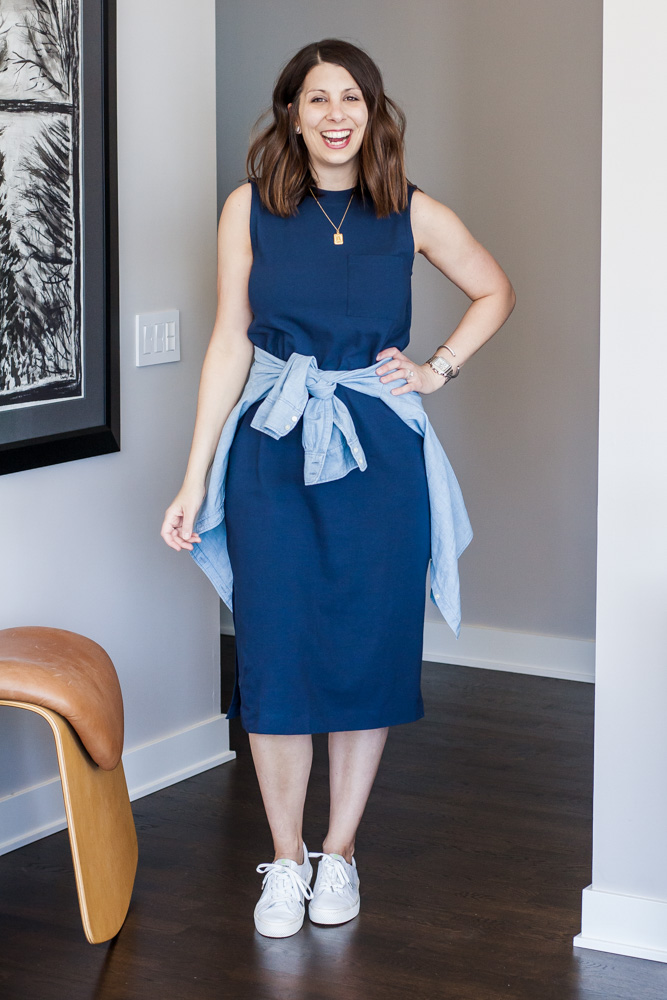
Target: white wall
[[503, 106], [81, 548], [625, 908]]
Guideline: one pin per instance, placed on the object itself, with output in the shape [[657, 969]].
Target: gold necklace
[[338, 236]]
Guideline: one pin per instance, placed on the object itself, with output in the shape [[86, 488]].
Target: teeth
[[337, 135]]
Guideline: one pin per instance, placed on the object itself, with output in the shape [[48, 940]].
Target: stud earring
[[298, 130]]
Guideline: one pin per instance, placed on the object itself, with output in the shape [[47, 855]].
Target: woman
[[320, 539]]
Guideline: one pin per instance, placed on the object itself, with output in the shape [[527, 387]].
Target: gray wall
[[503, 99], [81, 549]]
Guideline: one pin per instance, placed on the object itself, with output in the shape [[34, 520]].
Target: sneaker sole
[[271, 930], [334, 916]]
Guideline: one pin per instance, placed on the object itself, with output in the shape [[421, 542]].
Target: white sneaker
[[281, 907], [335, 897]]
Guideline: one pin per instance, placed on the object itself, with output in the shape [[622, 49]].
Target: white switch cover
[[158, 337]]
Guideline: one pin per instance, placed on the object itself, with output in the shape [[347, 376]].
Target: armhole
[[408, 218], [254, 208]]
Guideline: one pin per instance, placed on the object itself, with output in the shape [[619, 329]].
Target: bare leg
[[283, 766], [354, 758]]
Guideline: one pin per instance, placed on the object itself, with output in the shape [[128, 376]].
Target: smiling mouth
[[337, 139]]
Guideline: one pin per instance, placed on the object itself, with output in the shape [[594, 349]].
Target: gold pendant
[[338, 238]]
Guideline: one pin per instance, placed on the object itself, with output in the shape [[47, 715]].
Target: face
[[332, 114]]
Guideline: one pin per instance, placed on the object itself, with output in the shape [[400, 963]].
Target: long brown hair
[[278, 159]]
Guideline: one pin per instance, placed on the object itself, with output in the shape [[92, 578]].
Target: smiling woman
[[320, 540], [330, 99]]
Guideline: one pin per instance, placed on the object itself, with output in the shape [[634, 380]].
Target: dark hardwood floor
[[472, 854]]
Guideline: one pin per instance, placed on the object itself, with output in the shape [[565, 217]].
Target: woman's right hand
[[179, 518]]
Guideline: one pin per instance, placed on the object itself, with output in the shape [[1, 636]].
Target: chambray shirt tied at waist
[[297, 389]]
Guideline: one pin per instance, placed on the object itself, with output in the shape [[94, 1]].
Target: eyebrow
[[320, 90]]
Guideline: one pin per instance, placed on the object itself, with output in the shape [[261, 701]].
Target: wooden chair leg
[[101, 830]]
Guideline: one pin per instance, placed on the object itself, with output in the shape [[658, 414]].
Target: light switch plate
[[158, 337]]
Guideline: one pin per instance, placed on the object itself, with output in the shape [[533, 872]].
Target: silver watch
[[443, 367]]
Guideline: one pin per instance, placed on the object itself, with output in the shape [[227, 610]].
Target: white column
[[625, 908]]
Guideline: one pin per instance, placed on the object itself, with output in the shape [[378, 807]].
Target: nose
[[336, 113]]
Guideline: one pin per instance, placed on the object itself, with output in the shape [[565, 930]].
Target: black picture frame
[[33, 435]]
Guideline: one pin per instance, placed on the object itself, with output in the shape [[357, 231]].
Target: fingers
[[175, 541], [173, 531], [185, 542], [398, 366], [168, 529], [408, 387], [391, 373], [395, 369], [391, 355], [169, 534]]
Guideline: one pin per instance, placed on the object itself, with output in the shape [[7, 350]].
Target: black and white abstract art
[[40, 213], [59, 353]]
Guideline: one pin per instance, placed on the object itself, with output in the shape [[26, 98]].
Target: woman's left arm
[[443, 239]]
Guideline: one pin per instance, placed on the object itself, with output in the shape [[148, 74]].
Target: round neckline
[[335, 190]]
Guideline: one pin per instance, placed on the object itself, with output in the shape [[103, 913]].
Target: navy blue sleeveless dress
[[329, 578]]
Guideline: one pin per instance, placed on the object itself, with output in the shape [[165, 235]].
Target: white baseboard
[[36, 812], [517, 652], [623, 925], [500, 649]]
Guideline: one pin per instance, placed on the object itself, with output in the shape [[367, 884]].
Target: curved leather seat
[[73, 676]]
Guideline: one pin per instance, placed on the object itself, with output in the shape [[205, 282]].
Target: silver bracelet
[[442, 367], [447, 348]]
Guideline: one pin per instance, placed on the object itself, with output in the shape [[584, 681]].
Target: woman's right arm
[[225, 369]]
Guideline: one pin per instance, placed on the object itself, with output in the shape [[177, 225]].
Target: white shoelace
[[284, 883], [332, 873]]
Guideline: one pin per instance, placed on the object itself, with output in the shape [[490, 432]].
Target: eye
[[351, 97], [314, 99]]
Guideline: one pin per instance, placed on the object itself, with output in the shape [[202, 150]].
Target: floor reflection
[[599, 975], [295, 962]]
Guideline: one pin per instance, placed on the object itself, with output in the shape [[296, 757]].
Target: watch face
[[441, 366]]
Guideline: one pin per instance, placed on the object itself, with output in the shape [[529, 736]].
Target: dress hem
[[343, 729]]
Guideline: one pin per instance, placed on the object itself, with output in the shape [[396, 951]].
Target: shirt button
[[287, 426], [295, 419], [355, 449], [437, 595]]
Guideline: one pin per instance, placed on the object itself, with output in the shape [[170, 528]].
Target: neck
[[335, 179]]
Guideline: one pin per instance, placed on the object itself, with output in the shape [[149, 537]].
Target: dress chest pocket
[[378, 285]]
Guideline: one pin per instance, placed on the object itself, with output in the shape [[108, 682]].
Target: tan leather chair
[[70, 681]]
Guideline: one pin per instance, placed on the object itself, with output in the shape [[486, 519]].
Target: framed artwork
[[59, 369]]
